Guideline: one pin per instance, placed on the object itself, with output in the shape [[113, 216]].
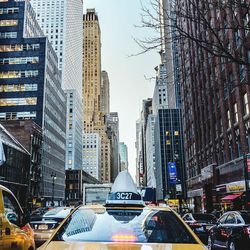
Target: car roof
[[126, 207], [6, 189]]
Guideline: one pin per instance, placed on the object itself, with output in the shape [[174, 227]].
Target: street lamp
[[53, 176]]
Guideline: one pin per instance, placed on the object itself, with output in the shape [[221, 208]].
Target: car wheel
[[210, 243], [231, 245]]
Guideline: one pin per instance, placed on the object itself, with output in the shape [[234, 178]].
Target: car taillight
[[196, 225], [124, 238], [246, 230], [28, 230]]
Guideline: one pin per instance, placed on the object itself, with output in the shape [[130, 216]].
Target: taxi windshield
[[124, 225]]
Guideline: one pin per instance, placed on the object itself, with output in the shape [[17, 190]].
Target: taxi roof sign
[[124, 191]]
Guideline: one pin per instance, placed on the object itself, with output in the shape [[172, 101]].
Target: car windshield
[[204, 217], [129, 225], [246, 217], [57, 212]]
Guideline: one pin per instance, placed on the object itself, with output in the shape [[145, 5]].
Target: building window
[[8, 10], [236, 117], [19, 47], [237, 38], [228, 119], [18, 101], [18, 87], [168, 142], [8, 34], [246, 107], [19, 74], [242, 72], [20, 60], [18, 115], [8, 23]]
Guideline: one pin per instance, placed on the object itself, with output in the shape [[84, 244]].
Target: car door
[[217, 230], [13, 236], [227, 229]]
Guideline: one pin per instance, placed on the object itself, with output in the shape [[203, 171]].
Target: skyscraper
[[91, 70], [123, 150], [94, 113], [61, 22], [30, 88]]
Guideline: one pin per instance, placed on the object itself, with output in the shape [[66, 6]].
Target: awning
[[231, 197]]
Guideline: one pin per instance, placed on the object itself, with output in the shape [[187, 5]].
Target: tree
[[221, 27]]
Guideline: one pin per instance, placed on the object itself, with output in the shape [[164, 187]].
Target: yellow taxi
[[15, 231], [124, 223]]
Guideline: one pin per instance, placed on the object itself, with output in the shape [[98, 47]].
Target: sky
[[128, 76]]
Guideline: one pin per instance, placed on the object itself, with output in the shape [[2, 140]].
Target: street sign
[[172, 172], [178, 188]]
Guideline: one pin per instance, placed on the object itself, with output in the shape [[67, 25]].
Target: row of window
[[9, 10], [20, 60], [10, 22], [19, 47], [18, 87], [18, 101], [18, 115], [8, 34], [19, 74]]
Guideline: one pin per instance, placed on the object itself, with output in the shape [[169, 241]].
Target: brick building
[[215, 96]]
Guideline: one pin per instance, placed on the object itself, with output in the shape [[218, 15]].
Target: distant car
[[231, 232], [200, 223], [38, 213], [15, 231], [44, 227]]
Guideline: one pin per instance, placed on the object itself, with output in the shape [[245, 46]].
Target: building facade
[[30, 136], [105, 93], [112, 128], [95, 97], [73, 130], [92, 154], [123, 152], [168, 152], [91, 71], [150, 151], [15, 168], [75, 180], [31, 88], [61, 22], [215, 92]]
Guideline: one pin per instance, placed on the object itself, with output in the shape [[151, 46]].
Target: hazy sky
[[128, 86]]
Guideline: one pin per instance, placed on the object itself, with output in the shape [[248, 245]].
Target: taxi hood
[[54, 245]]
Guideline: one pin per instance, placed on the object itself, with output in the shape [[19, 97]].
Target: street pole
[[246, 158], [53, 176]]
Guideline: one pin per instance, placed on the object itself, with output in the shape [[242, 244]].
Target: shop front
[[231, 196], [195, 200]]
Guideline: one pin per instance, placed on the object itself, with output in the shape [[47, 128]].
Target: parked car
[[200, 223], [38, 213], [44, 227], [15, 231], [231, 232]]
